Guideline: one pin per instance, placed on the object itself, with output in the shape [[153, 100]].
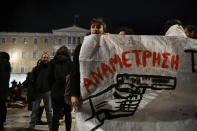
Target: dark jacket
[[75, 74], [5, 70], [39, 80], [59, 67]]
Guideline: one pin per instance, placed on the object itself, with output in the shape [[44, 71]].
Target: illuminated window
[[46, 41], [22, 69], [3, 40], [24, 54], [12, 54], [25, 40], [60, 41], [35, 53], [35, 40], [14, 40], [12, 69]]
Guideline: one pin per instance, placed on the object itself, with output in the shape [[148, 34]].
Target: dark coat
[[5, 70], [59, 67], [38, 82]]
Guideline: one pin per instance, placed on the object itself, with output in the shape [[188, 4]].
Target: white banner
[[141, 83]]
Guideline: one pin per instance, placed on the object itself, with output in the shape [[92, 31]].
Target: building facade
[[25, 49]]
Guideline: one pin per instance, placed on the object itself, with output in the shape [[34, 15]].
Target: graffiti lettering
[[127, 59]]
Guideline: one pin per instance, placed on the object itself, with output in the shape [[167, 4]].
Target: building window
[[12, 69], [78, 40], [22, 69], [46, 41], [74, 40], [69, 40], [35, 53], [12, 54], [60, 41], [35, 40], [14, 40], [25, 40], [24, 54], [3, 40]]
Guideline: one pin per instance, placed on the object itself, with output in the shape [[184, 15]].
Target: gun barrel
[[154, 82]]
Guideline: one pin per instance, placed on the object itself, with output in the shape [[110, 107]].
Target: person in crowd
[[14, 83], [16, 94], [174, 27], [39, 89], [126, 31], [25, 86], [191, 31], [5, 70], [59, 67], [97, 26]]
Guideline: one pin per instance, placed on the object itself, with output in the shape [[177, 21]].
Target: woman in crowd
[[59, 67]]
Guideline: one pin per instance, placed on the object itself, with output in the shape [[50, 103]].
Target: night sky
[[145, 17]]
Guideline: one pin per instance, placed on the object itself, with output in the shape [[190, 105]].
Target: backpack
[[67, 96]]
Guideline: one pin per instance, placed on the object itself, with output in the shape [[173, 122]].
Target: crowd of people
[[47, 81]]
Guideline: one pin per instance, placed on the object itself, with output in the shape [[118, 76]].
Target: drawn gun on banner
[[127, 94]]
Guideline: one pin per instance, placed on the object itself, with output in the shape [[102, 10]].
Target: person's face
[[122, 33], [97, 28], [45, 58], [188, 34]]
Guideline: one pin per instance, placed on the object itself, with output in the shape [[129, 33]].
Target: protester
[[40, 89], [191, 31], [174, 27], [5, 70], [97, 26], [59, 67], [126, 31], [25, 85]]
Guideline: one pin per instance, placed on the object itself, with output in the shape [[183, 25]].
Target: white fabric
[[169, 99], [176, 30]]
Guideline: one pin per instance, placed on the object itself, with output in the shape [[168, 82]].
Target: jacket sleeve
[[51, 78], [31, 82], [75, 74]]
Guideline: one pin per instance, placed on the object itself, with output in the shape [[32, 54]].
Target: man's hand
[[75, 103]]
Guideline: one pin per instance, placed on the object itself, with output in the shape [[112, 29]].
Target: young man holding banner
[[97, 26]]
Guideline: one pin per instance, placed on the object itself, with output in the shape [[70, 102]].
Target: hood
[[61, 58]]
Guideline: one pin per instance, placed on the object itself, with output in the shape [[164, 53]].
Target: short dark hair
[[170, 23], [100, 21], [128, 31], [191, 28], [63, 50], [4, 55]]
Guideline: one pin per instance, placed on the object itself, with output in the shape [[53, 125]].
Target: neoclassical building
[[25, 49]]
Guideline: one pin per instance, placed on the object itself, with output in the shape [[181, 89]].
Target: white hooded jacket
[[176, 30]]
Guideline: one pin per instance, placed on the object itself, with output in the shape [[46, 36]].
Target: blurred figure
[[5, 70], [25, 86], [191, 31], [97, 26], [174, 27], [14, 84], [126, 31], [30, 99], [40, 89], [59, 68]]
